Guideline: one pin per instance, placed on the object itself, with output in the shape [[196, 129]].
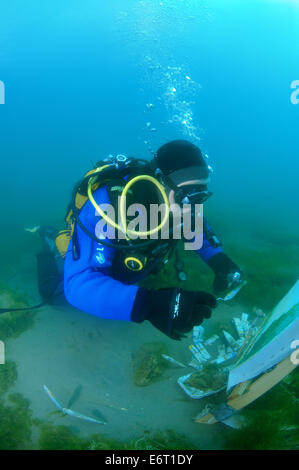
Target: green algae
[[161, 440], [13, 324], [8, 376], [271, 421], [63, 438], [59, 438], [16, 423], [270, 272]]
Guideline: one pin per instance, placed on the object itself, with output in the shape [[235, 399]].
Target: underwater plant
[[16, 423], [161, 440], [59, 438], [63, 438], [8, 376], [271, 421], [13, 324], [270, 272]]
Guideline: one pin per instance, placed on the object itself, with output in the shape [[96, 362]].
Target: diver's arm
[[211, 244], [87, 283], [172, 311], [99, 294], [224, 268], [89, 287]]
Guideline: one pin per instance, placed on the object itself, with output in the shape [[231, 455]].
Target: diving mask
[[188, 185], [193, 195], [189, 194]]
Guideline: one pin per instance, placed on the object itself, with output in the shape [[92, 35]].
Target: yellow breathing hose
[[123, 205], [123, 217], [93, 202]]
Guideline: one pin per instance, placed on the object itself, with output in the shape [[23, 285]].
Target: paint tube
[[231, 341], [198, 333], [173, 361], [200, 353], [195, 364], [211, 340]]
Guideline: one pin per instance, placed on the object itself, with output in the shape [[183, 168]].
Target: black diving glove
[[173, 311], [227, 274]]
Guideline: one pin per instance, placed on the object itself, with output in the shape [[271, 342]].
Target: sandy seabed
[[68, 348]]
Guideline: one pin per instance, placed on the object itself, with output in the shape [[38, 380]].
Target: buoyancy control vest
[[134, 260]]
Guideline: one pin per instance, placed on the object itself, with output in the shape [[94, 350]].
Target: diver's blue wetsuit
[[88, 284]]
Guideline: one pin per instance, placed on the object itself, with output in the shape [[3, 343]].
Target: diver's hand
[[227, 274], [174, 311], [189, 309]]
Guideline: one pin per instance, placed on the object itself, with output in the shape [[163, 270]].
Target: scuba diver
[[101, 276]]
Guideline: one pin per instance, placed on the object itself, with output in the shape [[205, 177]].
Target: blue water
[[86, 79], [77, 84]]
